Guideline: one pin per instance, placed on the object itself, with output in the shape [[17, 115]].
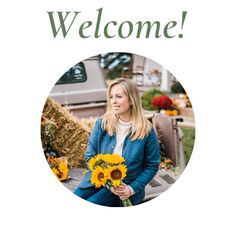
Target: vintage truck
[[82, 89]]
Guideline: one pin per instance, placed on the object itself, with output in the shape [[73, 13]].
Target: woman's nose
[[114, 100]]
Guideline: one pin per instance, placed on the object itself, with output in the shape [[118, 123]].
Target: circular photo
[[117, 129]]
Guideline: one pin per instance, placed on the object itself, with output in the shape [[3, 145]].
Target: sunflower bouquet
[[108, 170]]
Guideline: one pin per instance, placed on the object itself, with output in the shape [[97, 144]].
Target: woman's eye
[[116, 96]]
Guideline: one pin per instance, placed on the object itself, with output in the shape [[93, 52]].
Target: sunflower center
[[116, 174], [100, 176]]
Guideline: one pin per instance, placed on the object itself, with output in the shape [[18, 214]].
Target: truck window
[[75, 74]]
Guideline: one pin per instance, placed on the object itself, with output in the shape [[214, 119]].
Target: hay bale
[[69, 138], [88, 123]]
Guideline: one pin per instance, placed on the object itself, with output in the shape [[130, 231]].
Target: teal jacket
[[142, 156]]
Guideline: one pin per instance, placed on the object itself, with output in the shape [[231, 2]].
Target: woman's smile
[[116, 107]]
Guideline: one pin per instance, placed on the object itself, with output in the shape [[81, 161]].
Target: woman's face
[[120, 102]]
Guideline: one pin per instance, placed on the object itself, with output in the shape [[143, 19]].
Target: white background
[[201, 202]]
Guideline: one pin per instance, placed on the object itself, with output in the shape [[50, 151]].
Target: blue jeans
[[103, 196]]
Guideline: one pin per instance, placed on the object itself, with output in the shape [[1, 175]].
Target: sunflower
[[113, 159], [92, 162], [104, 157], [116, 174], [98, 177], [64, 170], [55, 171]]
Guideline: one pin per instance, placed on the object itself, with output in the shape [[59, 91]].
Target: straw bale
[[69, 138]]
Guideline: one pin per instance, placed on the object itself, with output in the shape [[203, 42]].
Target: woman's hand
[[123, 191]]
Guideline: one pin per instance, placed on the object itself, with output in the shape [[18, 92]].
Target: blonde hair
[[140, 126]]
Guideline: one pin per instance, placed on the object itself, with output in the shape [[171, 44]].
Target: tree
[[117, 65]]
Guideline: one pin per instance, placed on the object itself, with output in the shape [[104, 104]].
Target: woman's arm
[[150, 164]]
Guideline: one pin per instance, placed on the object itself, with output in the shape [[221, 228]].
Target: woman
[[123, 130]]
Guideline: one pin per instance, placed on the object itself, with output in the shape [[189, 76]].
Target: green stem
[[126, 203]]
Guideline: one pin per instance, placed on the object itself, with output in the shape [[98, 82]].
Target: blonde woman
[[123, 130]]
